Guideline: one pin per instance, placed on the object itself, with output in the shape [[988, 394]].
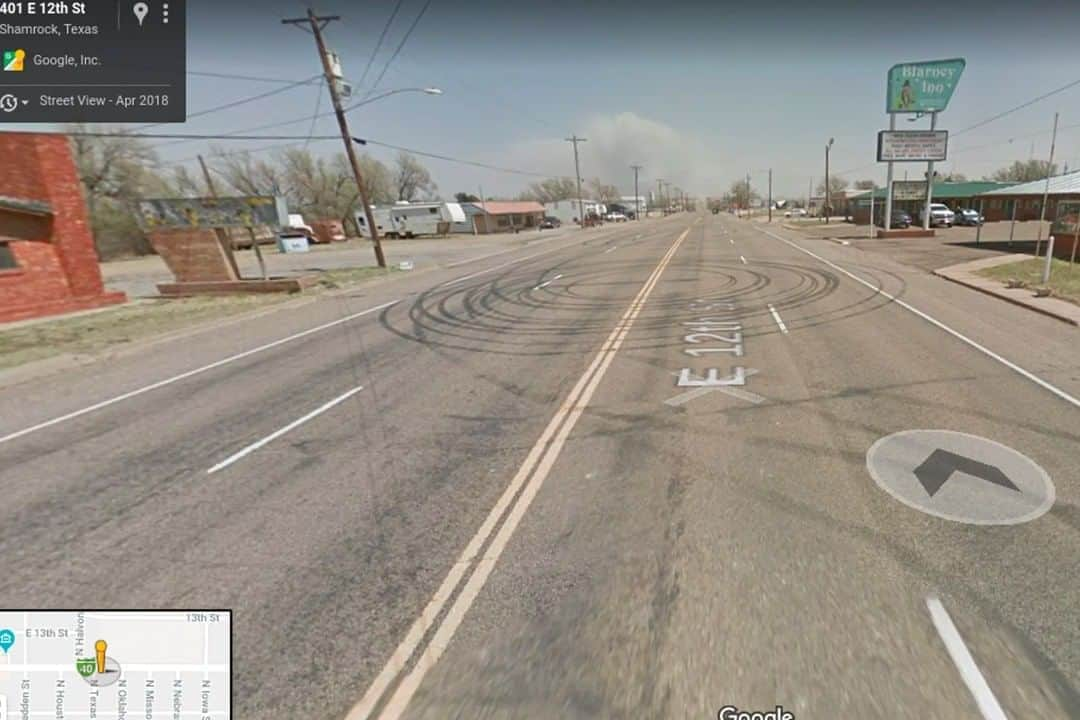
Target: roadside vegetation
[[1064, 277], [104, 330]]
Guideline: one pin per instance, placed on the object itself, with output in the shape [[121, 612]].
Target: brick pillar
[[44, 170], [193, 255]]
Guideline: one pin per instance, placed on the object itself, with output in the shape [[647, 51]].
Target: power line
[[448, 158], [241, 101], [378, 45], [1021, 106], [249, 78], [314, 115], [397, 50]]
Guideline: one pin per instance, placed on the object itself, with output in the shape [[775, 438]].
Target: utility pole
[[828, 190], [637, 199], [317, 24], [223, 235], [577, 171], [660, 195], [770, 194], [747, 194], [1046, 192]]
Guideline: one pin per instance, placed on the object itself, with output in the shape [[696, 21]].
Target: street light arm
[[388, 93]]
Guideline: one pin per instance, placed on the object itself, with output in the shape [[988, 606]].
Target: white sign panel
[[912, 145], [909, 190]]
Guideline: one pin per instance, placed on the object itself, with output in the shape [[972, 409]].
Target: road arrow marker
[[940, 466]]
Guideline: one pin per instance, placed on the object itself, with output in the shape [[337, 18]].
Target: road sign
[[960, 477], [909, 190], [922, 87], [208, 212], [912, 145]]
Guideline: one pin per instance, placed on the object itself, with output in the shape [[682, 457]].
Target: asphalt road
[[501, 503]]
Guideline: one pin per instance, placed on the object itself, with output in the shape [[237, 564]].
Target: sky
[[698, 93]]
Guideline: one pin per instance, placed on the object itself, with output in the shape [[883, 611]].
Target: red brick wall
[[58, 271], [192, 255]]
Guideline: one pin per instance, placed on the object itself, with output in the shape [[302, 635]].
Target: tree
[[411, 178], [464, 197], [1025, 171], [836, 185], [953, 177], [249, 175], [741, 194], [602, 191], [551, 190], [865, 185], [115, 172]]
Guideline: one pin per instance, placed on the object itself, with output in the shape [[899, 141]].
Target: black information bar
[[93, 61]]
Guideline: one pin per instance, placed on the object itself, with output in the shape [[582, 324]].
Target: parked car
[[940, 215], [615, 217], [900, 219], [967, 216], [298, 226], [798, 212], [550, 223]]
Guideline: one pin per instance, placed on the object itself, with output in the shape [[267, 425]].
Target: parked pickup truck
[[940, 215]]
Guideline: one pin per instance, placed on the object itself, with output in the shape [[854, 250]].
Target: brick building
[[48, 263], [959, 195], [1025, 199]]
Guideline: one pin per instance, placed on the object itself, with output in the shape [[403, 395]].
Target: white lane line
[[278, 433], [742, 259], [535, 468], [191, 373], [547, 282], [937, 323], [779, 322], [969, 671]]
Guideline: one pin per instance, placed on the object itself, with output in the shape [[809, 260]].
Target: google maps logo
[[14, 60]]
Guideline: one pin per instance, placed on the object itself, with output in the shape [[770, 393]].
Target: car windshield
[[408, 359]]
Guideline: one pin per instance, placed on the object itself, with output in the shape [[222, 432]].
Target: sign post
[[889, 181], [919, 87], [929, 179]]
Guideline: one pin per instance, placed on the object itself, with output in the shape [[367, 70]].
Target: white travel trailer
[[568, 213], [405, 219]]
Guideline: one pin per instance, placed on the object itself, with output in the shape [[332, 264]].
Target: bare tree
[[250, 175], [1025, 171], [865, 185], [551, 190], [602, 191], [115, 171], [411, 178], [741, 194]]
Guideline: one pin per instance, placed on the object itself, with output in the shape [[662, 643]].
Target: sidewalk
[[967, 274]]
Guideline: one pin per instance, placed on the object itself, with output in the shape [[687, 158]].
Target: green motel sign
[[922, 87]]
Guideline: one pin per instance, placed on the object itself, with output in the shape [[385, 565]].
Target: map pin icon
[[7, 639], [140, 9]]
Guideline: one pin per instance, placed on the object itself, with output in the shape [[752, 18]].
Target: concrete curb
[[986, 290]]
